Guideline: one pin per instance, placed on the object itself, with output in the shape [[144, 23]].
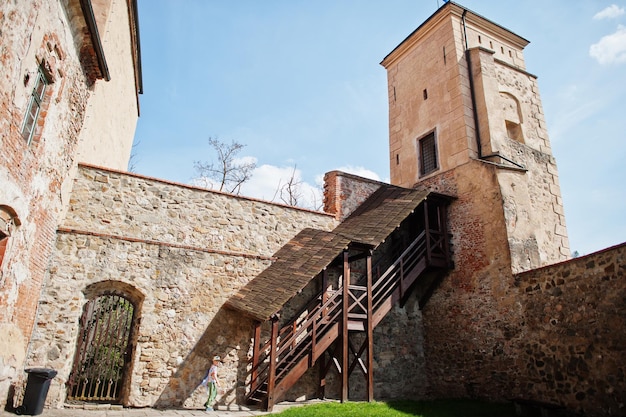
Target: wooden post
[[255, 355], [344, 328], [321, 389], [428, 237], [271, 380], [370, 331]]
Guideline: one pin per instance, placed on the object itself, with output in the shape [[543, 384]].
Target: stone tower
[[465, 117]]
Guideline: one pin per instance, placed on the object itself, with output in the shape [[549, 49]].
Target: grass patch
[[439, 408]]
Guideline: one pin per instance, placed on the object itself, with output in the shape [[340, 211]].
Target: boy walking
[[213, 382]]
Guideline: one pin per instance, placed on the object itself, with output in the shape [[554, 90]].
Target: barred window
[[428, 154], [34, 106]]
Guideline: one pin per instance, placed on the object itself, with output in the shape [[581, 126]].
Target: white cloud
[[267, 181], [610, 12], [360, 171], [611, 48]]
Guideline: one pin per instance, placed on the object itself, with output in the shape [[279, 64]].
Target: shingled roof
[[381, 214], [300, 260], [310, 251]]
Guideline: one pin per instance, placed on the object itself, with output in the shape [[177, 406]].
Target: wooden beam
[[271, 381], [427, 228], [321, 388], [344, 329], [255, 355], [370, 332]]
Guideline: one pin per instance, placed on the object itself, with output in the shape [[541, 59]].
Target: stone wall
[[471, 322], [573, 349], [533, 208], [184, 250], [34, 33], [550, 334]]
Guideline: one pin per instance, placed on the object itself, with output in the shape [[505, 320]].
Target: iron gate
[[102, 350]]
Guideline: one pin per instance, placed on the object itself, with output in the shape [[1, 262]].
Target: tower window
[[34, 106], [428, 154]]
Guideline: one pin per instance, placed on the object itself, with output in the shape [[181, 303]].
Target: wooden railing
[[294, 348]]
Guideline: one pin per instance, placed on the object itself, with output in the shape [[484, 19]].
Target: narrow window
[[425, 94], [34, 106], [428, 154]]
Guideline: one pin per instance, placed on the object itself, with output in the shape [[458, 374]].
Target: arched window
[[8, 223]]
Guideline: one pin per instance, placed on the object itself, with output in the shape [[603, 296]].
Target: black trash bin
[[36, 391]]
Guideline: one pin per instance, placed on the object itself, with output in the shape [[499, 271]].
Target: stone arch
[[513, 117], [9, 221], [105, 345]]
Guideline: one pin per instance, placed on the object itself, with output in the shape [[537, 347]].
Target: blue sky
[[299, 83]]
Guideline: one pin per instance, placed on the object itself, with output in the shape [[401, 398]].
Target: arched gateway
[[104, 347]]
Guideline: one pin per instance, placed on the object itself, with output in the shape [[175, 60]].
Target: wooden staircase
[[290, 351]]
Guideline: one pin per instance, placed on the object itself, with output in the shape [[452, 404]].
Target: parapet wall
[[574, 316], [180, 252], [556, 335]]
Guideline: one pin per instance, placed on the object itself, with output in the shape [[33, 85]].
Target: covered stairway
[[319, 301]]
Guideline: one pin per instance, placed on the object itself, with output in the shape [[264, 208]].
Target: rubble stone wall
[[574, 347], [185, 251], [550, 334]]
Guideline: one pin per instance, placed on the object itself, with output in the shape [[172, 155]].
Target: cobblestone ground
[[112, 411]]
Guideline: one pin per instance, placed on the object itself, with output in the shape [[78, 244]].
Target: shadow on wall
[[227, 335]]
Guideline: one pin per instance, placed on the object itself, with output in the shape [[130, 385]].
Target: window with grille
[[428, 154], [34, 106]]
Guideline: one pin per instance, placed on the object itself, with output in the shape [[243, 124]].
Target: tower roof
[[451, 8]]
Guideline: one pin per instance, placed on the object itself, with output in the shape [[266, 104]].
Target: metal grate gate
[[101, 352]]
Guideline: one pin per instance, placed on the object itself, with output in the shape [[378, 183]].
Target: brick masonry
[[32, 176]]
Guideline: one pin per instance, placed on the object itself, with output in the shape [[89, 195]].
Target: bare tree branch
[[229, 173], [132, 162], [291, 191]]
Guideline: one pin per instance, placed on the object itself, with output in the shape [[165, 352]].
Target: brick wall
[[34, 33], [344, 192]]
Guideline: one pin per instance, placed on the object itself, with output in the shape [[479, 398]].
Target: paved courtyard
[[112, 411]]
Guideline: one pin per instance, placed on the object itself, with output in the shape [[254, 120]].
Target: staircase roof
[[297, 262], [311, 250], [381, 214]]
